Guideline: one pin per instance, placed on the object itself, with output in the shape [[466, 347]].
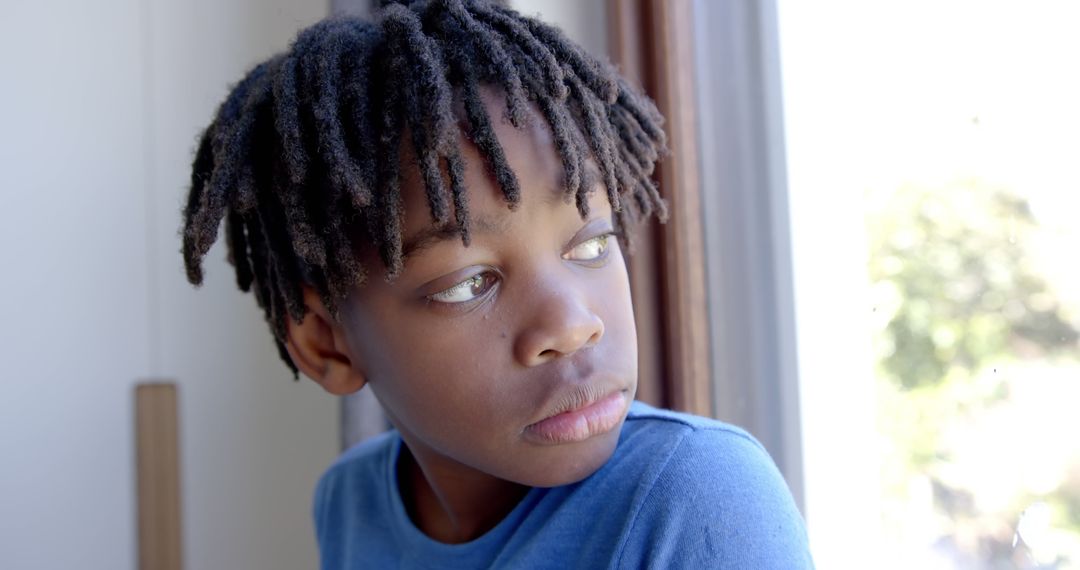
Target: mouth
[[590, 418]]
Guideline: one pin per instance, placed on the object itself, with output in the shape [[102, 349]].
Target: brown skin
[[551, 323]]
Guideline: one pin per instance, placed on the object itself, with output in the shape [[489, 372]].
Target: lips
[[584, 414]]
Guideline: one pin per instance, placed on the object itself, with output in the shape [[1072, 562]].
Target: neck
[[451, 502]]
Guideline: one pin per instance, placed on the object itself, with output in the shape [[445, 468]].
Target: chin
[[568, 464]]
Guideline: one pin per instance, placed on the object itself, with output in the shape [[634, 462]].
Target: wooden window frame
[[652, 44], [719, 328]]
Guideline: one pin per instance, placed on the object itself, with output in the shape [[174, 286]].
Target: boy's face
[[471, 348]]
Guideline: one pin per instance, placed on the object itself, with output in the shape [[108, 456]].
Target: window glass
[[934, 173]]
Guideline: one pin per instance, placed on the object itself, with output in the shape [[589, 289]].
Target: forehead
[[530, 153]]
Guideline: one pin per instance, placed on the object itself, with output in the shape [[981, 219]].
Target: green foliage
[[950, 265], [956, 298]]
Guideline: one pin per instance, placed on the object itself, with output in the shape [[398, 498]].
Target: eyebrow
[[434, 234]]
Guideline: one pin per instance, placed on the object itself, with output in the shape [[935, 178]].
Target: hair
[[302, 159]]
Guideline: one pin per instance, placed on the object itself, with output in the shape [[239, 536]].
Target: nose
[[560, 324]]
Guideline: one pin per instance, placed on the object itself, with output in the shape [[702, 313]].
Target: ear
[[319, 349]]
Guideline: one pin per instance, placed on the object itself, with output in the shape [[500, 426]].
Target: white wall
[[100, 107]]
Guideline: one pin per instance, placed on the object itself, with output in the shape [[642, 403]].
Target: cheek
[[438, 375], [617, 311]]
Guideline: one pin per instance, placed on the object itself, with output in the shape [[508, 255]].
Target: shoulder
[[716, 498], [349, 489], [718, 452], [702, 455], [674, 443], [664, 424], [364, 459]]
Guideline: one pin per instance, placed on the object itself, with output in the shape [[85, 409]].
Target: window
[[934, 192]]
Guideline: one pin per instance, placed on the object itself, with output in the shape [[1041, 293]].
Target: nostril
[[559, 334]]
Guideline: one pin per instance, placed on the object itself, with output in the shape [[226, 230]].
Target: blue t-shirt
[[680, 491]]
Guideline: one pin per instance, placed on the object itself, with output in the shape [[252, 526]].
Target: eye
[[467, 290], [590, 250]]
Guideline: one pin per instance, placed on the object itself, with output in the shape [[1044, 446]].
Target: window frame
[[714, 70]]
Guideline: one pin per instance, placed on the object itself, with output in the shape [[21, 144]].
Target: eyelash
[[489, 279], [602, 240]]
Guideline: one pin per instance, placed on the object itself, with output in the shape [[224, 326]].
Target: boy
[[432, 205]]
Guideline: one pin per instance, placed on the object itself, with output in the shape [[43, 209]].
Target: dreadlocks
[[302, 159]]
